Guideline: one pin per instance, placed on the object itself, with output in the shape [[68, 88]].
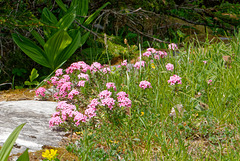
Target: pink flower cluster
[[110, 84], [124, 63], [138, 64], [123, 100], [40, 92], [157, 54], [172, 46], [80, 66], [145, 84], [175, 79], [170, 66]]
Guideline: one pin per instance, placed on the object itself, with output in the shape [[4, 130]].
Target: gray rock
[[36, 132]]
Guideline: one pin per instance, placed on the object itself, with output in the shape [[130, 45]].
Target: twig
[[94, 33]]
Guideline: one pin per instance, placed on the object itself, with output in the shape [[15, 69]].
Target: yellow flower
[[50, 155], [153, 66], [142, 113]]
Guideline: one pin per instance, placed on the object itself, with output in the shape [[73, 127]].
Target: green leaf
[[94, 15], [48, 17], [31, 50], [66, 20], [24, 156], [66, 53], [55, 45], [8, 145], [38, 37], [61, 5], [34, 74], [81, 8], [84, 38]]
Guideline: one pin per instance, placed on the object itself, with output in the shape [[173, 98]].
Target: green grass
[[208, 130]]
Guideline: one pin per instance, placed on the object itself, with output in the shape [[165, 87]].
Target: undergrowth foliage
[[174, 104]]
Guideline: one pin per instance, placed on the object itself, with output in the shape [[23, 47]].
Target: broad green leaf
[[55, 45], [61, 5], [34, 74], [48, 17], [66, 53], [24, 156], [38, 37], [8, 145], [84, 38], [66, 20], [94, 15], [31, 50], [81, 8]]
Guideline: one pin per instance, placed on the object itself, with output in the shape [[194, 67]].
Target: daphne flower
[[82, 75], [59, 72], [109, 85], [55, 121], [124, 63], [210, 81], [72, 93], [109, 102], [147, 54], [40, 92], [145, 84], [170, 66], [162, 54], [79, 117], [90, 112], [96, 66], [172, 46], [138, 64], [205, 62], [93, 103], [152, 50], [175, 79], [104, 94], [81, 83]]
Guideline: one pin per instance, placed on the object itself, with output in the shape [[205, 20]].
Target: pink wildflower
[[175, 79], [147, 54], [40, 92], [90, 112], [162, 54], [124, 63], [152, 50], [80, 66], [210, 81], [170, 66], [172, 46], [72, 93], [81, 83], [156, 57], [109, 102], [59, 72], [106, 70], [138, 64], [67, 113], [79, 117], [109, 85], [122, 94], [82, 75], [205, 62], [145, 84], [95, 67], [124, 102], [54, 80], [55, 121], [93, 103], [104, 94]]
